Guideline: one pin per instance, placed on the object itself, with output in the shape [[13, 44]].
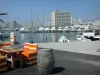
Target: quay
[[84, 47], [73, 58]]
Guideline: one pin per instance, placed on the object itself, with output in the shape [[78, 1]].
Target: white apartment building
[[61, 18]]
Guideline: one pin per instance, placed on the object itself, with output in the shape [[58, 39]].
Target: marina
[[49, 37]]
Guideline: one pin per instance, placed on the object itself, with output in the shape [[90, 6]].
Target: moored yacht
[[41, 29], [63, 39], [4, 35], [53, 29], [47, 30], [88, 36], [81, 38], [66, 29], [59, 29]]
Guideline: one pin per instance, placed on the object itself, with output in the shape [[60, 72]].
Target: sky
[[20, 10]]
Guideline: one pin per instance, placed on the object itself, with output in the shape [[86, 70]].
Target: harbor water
[[42, 37]]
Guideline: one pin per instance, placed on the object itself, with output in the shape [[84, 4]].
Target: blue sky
[[19, 10]]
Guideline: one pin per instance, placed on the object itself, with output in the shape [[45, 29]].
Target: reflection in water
[[44, 37], [53, 36], [22, 37]]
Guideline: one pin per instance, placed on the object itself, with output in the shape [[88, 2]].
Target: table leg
[[0, 53], [12, 62], [21, 60]]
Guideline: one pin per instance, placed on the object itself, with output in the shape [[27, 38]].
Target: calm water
[[43, 37]]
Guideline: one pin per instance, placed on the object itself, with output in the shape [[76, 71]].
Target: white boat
[[78, 30], [66, 29], [81, 38], [41, 29], [59, 29], [47, 29], [53, 29], [63, 39], [4, 35], [86, 28], [89, 36], [97, 37], [22, 30]]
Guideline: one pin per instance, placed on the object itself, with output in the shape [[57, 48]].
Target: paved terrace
[[68, 60]]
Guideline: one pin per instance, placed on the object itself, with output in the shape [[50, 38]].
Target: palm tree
[[3, 14], [1, 19]]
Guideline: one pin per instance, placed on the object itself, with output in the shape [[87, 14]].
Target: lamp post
[[31, 26]]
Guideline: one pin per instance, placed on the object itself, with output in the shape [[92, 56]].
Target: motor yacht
[[63, 39]]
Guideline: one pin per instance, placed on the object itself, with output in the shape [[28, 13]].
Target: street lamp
[[31, 26]]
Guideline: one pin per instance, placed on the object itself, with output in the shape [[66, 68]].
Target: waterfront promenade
[[83, 61], [85, 47]]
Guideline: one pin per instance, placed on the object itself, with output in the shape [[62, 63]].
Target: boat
[[66, 29], [53, 29], [81, 38], [78, 30], [59, 29], [72, 29], [86, 29], [41, 29], [63, 39], [4, 35], [88, 36], [97, 37], [22, 30], [47, 30]]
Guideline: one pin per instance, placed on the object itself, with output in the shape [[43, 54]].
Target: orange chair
[[33, 47], [30, 58], [26, 46], [3, 64], [26, 60], [29, 54]]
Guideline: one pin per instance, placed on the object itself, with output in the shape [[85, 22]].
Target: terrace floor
[[66, 63]]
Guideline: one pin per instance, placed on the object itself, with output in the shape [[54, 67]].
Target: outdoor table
[[10, 50]]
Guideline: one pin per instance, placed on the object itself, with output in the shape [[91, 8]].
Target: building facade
[[61, 18]]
